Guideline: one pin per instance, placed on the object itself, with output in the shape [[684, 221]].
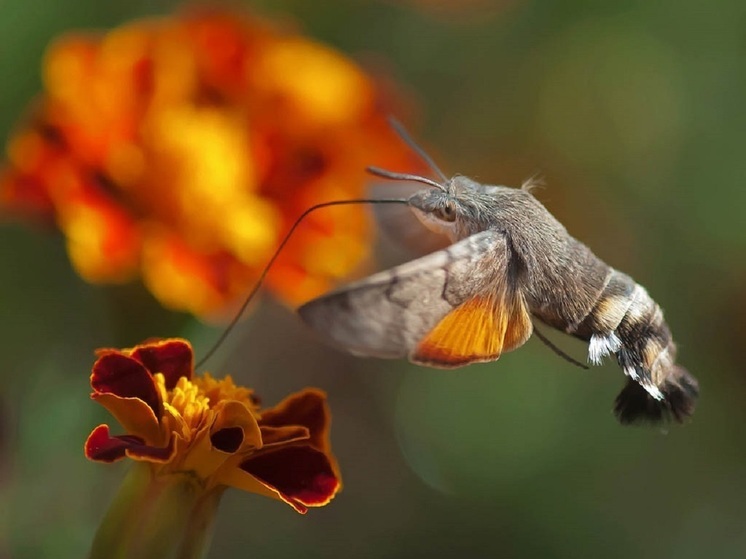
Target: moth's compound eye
[[446, 213]]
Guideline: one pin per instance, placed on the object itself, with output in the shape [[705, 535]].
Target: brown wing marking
[[478, 330]]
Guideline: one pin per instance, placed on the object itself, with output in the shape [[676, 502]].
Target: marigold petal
[[125, 377], [173, 357], [203, 458], [181, 277], [231, 475], [318, 86], [308, 409], [300, 475], [228, 439], [102, 447], [103, 241], [232, 434], [233, 414], [134, 415], [272, 436]]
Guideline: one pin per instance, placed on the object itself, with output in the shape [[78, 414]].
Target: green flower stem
[[200, 525], [157, 517]]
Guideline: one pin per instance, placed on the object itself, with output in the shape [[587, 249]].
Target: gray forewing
[[388, 314]]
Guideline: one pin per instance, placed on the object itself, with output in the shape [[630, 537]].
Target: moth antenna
[[404, 135], [271, 261], [403, 177], [557, 350]]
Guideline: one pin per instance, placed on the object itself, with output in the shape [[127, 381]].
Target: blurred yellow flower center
[[212, 181], [325, 87], [208, 148]]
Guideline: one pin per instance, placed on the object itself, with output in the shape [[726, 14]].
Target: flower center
[[189, 403]]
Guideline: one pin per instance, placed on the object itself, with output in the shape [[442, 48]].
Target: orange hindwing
[[478, 330]]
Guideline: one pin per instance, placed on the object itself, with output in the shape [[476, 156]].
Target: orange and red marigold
[[183, 148], [211, 430]]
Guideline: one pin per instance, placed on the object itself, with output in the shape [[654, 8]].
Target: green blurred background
[[632, 112]]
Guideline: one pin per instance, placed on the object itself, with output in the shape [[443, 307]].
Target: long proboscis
[[259, 282]]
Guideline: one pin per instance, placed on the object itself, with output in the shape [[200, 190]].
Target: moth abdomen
[[679, 390], [627, 323]]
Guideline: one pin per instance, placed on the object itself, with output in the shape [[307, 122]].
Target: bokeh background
[[632, 112]]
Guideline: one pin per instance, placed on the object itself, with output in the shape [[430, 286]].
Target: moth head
[[436, 210], [453, 207], [446, 211]]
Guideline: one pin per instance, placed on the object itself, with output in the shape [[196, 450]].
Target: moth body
[[509, 259]]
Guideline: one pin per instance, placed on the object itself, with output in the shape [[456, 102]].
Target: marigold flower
[[182, 149], [211, 430]]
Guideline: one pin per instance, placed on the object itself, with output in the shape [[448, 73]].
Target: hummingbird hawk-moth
[[507, 260]]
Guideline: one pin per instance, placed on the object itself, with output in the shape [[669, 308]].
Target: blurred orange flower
[[211, 430], [183, 148]]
